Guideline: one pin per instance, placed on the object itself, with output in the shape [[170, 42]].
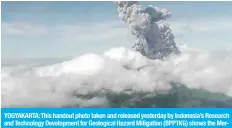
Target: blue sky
[[64, 29]]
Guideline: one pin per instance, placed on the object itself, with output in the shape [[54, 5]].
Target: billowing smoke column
[[154, 38]]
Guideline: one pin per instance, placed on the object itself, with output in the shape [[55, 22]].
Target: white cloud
[[23, 29], [57, 85]]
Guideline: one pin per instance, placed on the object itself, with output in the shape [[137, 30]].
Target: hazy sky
[[61, 29]]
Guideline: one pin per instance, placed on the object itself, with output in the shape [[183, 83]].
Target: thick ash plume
[[154, 38]]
